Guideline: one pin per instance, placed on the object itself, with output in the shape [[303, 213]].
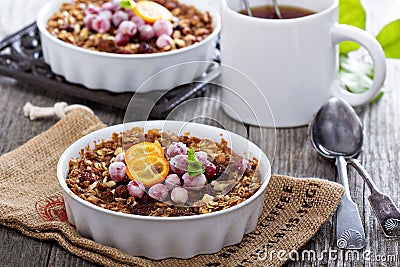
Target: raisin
[[122, 191], [107, 196], [106, 46], [145, 199], [87, 176], [142, 209], [145, 48], [67, 28], [219, 169], [102, 187]]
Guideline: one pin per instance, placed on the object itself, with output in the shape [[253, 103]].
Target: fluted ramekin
[[126, 73], [163, 237]]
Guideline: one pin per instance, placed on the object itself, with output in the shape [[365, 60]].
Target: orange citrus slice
[[149, 169], [150, 11], [143, 148]]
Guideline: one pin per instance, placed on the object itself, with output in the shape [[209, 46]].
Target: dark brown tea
[[287, 12]]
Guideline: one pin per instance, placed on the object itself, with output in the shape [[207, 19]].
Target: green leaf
[[351, 12], [377, 97], [389, 38], [194, 166], [126, 4], [356, 75]]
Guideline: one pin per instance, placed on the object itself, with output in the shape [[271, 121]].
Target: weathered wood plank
[[16, 250], [60, 257]]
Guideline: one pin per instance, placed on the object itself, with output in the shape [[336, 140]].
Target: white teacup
[[293, 62]]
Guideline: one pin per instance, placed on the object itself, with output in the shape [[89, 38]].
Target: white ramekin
[[163, 237], [126, 73]]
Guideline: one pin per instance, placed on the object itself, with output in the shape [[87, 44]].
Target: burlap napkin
[[31, 201]]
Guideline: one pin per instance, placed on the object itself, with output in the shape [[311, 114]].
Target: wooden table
[[293, 154]]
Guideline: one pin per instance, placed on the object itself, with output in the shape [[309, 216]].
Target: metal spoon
[[274, 2], [336, 133], [346, 139], [385, 211], [276, 9], [247, 7]]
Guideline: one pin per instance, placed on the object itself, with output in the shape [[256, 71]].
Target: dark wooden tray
[[21, 58]]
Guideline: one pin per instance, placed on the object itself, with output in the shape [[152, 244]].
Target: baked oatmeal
[[111, 26], [161, 174]]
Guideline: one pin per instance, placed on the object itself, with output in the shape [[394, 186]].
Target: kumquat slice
[[143, 148], [149, 169], [151, 11]]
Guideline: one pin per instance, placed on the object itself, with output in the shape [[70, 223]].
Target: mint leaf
[[351, 12], [389, 38], [194, 166], [356, 75], [126, 4]]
